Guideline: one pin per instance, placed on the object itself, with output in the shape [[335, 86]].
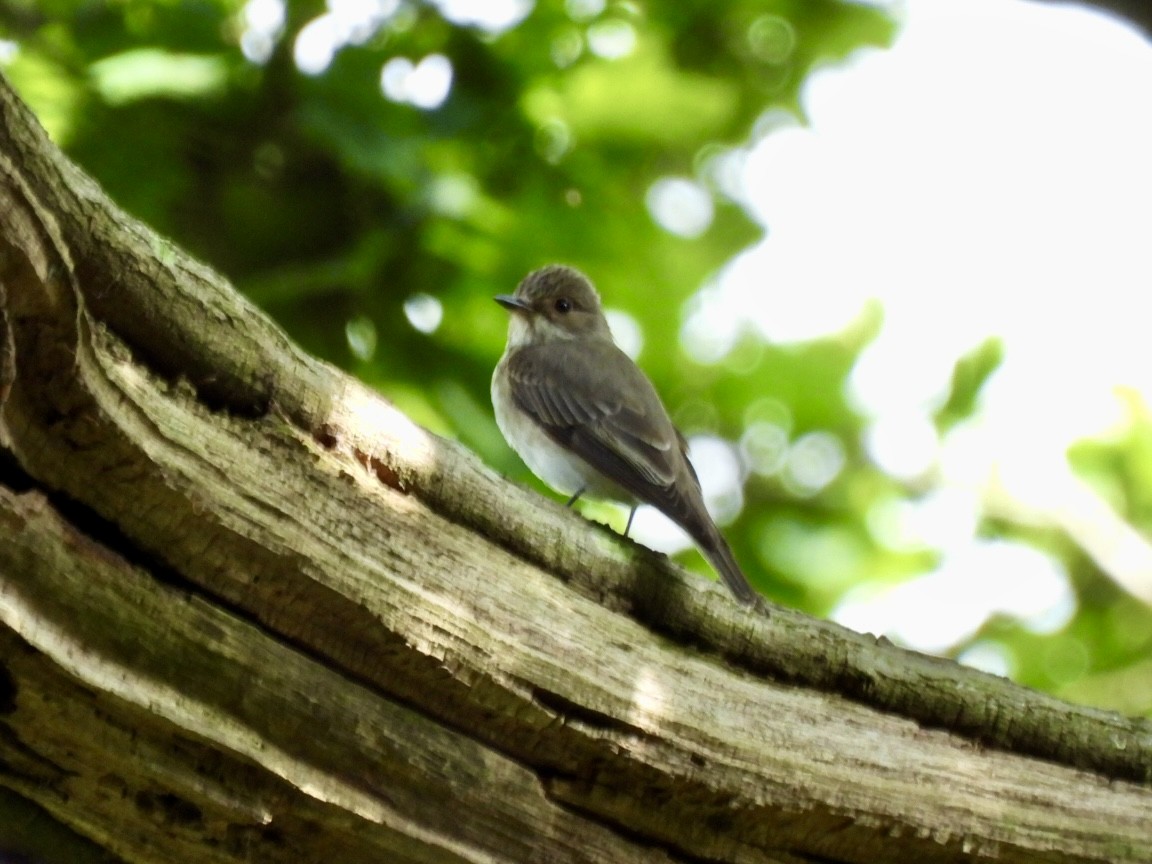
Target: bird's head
[[554, 302]]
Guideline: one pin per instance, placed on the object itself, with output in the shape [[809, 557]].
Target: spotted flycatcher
[[585, 419]]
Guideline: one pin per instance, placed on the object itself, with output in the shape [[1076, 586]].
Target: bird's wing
[[606, 412]]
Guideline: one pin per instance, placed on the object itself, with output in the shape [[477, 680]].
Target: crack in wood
[[573, 711]]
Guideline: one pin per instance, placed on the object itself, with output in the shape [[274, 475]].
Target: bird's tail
[[717, 550]]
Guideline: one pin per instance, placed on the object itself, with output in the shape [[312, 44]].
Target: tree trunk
[[250, 612]]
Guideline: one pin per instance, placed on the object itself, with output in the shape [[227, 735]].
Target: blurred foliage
[[292, 148], [972, 371]]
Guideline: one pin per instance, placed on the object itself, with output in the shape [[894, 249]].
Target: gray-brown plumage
[[584, 417]]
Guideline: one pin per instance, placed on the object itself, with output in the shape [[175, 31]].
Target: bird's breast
[[557, 466]]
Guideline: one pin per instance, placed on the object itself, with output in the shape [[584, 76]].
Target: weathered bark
[[249, 612]]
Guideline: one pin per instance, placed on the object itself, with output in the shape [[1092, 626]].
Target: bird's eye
[[562, 305]]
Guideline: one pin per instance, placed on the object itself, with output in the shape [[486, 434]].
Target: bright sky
[[988, 175]]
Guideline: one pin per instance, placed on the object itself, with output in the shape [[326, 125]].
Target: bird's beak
[[512, 303]]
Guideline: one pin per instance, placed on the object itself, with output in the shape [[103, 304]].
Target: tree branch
[[295, 626]]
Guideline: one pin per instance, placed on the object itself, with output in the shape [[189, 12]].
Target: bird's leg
[[631, 513], [573, 499]]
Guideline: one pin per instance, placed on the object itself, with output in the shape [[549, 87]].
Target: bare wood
[[216, 551]]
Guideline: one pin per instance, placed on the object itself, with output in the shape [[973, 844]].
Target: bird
[[587, 421]]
